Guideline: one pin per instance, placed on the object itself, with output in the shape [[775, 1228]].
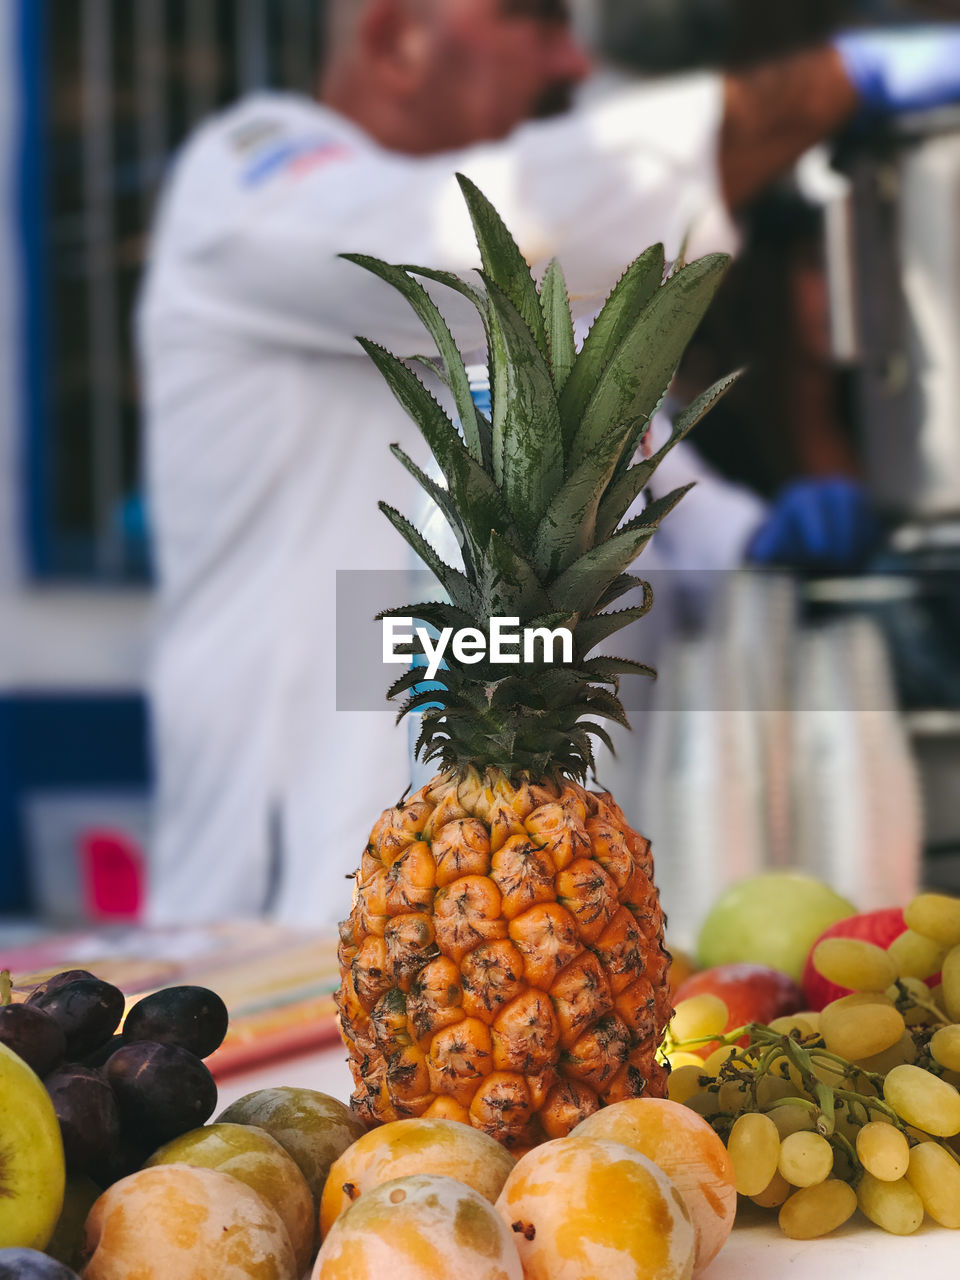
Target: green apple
[[32, 1173], [251, 1155], [313, 1127], [772, 919]]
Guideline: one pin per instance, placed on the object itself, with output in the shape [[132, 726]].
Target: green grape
[[704, 1015], [783, 1069], [754, 1150], [883, 1150], [905, 1050], [829, 1073], [935, 1175], [801, 1022], [733, 1095], [681, 1058], [945, 1047], [714, 1061], [921, 1099], [951, 984], [774, 1194], [894, 1206], [770, 1089], [859, 1026], [683, 1083], [853, 963], [705, 1104], [817, 1210], [805, 1159], [936, 916], [915, 956], [792, 1119], [918, 992]]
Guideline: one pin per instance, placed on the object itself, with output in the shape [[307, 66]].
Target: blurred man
[[268, 429]]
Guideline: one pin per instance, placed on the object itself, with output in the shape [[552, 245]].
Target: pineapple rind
[[505, 954]]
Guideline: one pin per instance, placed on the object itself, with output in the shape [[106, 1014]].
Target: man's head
[[432, 75]]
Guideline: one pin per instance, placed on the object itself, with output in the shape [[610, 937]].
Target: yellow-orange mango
[[405, 1147], [257, 1159], [422, 1227], [178, 1222], [688, 1151], [582, 1208]]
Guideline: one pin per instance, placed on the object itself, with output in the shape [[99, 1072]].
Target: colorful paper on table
[[277, 983]]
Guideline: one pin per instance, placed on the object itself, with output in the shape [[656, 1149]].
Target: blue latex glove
[[903, 69], [822, 525]]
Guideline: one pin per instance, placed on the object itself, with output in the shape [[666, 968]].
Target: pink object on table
[[112, 868]]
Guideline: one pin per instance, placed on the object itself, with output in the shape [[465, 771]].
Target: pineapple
[[503, 963]]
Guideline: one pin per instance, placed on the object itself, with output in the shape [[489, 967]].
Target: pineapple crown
[[536, 496]]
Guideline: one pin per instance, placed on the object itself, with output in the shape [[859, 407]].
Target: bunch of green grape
[[854, 1107]]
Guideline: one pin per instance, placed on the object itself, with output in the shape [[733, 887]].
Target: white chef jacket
[[268, 433]]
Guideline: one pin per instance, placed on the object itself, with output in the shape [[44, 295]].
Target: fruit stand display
[[531, 1099]]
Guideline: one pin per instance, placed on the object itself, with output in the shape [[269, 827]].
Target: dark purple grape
[[33, 1035], [104, 1051], [192, 1017], [57, 981], [87, 1009], [28, 1264], [161, 1090], [88, 1114], [123, 1157]]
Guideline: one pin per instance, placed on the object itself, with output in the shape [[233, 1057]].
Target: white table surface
[[755, 1251]]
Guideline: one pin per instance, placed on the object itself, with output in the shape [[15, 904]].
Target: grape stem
[[928, 1006], [766, 1047]]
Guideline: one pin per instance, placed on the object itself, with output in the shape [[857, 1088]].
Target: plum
[[33, 1035], [88, 1011], [161, 1090], [88, 1114], [194, 1018], [29, 1264]]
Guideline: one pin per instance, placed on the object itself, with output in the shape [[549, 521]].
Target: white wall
[[50, 639]]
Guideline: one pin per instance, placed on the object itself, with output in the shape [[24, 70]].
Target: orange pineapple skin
[[503, 963]]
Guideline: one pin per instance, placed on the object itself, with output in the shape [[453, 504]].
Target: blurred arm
[[775, 112]]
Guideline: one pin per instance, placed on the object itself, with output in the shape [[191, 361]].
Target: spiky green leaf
[[471, 488], [509, 586], [441, 497], [627, 487], [526, 421], [593, 631], [620, 312], [502, 260], [429, 313], [654, 512], [457, 586], [604, 668], [558, 322], [637, 376], [582, 587], [618, 587], [567, 529]]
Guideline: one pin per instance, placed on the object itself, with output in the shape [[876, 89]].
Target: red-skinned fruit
[[751, 992], [879, 927]]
